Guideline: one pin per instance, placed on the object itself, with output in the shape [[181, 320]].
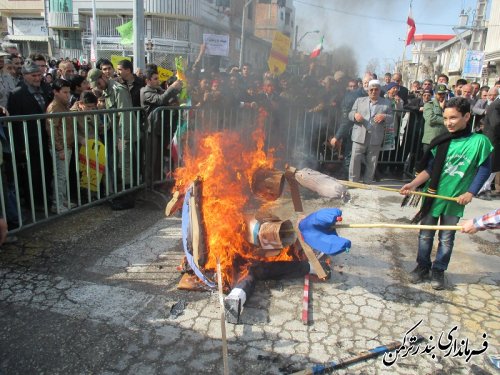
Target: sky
[[375, 29]]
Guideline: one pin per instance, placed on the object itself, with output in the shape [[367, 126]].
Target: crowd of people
[[363, 110]]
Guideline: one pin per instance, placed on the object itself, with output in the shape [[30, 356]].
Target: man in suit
[[491, 129], [27, 99], [370, 115]]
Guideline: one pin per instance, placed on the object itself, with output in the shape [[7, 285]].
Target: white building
[[171, 28], [492, 47]]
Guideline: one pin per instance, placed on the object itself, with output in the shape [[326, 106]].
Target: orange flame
[[226, 165]]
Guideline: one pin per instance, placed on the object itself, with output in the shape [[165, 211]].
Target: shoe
[[419, 274], [437, 282], [485, 196]]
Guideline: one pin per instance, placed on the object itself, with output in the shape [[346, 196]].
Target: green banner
[[126, 32]]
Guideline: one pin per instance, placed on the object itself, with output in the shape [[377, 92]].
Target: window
[[265, 1]]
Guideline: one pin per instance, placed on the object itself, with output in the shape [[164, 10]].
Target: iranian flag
[[411, 28], [317, 50]]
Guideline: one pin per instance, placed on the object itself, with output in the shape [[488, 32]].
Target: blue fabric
[[185, 232], [317, 230]]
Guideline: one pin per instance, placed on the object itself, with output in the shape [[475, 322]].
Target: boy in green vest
[[456, 165]]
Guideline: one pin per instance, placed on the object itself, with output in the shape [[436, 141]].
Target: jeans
[[62, 183], [445, 246]]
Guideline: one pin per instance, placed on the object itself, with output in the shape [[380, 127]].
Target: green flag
[[126, 31]]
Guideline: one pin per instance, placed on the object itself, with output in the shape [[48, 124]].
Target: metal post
[[242, 40], [138, 20], [93, 30]]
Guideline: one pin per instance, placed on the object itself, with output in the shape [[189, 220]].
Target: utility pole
[[138, 21], [242, 40]]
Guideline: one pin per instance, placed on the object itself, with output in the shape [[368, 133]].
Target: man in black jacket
[[28, 99], [152, 97]]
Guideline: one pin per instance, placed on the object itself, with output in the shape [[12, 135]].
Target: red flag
[[411, 28], [317, 50]]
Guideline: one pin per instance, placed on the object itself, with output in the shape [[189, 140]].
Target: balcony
[[182, 8], [62, 20]]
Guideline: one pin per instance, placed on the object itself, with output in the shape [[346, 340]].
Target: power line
[[367, 16]]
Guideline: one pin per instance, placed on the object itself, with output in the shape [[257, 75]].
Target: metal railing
[[56, 163]]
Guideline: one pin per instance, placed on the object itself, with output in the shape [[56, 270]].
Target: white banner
[[216, 45], [23, 26]]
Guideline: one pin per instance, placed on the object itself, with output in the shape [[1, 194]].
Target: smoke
[[350, 23]]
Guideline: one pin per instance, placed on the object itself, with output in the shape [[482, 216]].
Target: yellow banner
[[164, 74], [96, 163], [278, 58], [115, 59]]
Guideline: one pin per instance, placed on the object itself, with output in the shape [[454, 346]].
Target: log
[[320, 183]]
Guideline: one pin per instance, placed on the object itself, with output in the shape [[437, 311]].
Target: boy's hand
[[464, 199], [406, 189]]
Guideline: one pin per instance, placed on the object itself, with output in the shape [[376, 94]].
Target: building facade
[[64, 28]]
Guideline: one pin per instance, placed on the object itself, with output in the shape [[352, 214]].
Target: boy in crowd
[[456, 165], [63, 138]]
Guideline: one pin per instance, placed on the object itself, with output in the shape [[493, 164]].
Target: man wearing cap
[[27, 99], [370, 115], [433, 116]]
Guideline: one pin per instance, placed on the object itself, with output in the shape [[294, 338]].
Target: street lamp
[[303, 35], [242, 40]]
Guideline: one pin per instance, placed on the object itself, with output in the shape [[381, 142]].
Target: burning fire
[[225, 164]]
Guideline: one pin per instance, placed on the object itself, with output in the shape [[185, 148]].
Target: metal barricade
[[294, 135], [56, 163]]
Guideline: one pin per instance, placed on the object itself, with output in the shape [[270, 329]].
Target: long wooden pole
[[376, 187], [222, 320], [393, 226], [400, 226]]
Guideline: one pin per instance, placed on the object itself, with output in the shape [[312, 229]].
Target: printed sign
[[216, 45], [473, 65], [278, 58], [89, 176]]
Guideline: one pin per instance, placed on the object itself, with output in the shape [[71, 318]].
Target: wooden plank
[[195, 230], [294, 188], [311, 257]]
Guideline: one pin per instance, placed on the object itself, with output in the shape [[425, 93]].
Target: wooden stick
[[376, 187], [311, 256], [222, 320], [305, 301], [400, 226], [397, 226]]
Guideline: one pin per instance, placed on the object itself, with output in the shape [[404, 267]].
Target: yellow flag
[[164, 74], [278, 58], [115, 59]]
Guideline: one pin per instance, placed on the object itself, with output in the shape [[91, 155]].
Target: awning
[[28, 38]]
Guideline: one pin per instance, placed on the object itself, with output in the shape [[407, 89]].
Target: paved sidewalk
[[95, 293]]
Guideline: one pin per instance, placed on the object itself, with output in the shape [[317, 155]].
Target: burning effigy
[[224, 186]]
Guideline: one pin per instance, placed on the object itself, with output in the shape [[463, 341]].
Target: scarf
[[443, 143]]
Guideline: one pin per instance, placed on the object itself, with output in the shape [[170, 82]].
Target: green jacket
[[118, 96], [434, 123]]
